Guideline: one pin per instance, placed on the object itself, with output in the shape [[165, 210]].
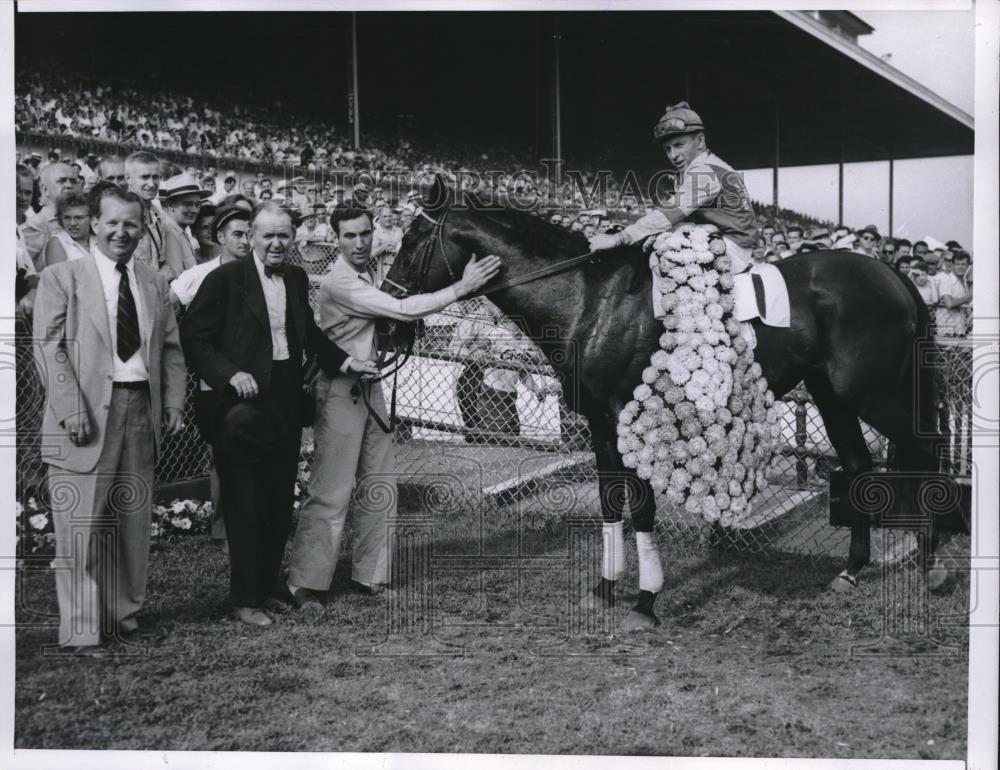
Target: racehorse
[[855, 325]]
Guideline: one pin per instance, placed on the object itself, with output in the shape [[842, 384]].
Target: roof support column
[[840, 174], [777, 156], [891, 186]]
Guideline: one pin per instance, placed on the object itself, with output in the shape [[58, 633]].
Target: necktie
[[128, 317], [276, 270]]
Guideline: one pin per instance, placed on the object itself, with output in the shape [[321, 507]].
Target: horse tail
[[922, 382]]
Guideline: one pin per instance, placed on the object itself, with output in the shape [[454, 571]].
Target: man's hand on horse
[[363, 367], [477, 273], [604, 241]]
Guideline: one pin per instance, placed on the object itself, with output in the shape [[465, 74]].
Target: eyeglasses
[[868, 237], [889, 252]]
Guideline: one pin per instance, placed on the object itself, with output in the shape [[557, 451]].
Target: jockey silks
[[709, 191]]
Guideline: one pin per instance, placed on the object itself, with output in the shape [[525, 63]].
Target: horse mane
[[540, 237]]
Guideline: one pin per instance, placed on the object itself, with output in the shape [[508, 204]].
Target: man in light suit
[[108, 350]]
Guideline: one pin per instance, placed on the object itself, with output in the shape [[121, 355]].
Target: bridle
[[422, 267]]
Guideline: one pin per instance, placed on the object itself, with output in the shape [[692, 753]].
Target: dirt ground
[[484, 648]]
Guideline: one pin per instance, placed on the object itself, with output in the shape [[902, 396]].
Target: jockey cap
[[678, 119]]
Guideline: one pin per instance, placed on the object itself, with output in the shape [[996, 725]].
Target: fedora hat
[[251, 428], [182, 185], [869, 229]]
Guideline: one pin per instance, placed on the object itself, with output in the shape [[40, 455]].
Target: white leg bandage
[[650, 570], [614, 551]]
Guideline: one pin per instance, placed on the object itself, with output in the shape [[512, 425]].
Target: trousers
[[350, 449], [102, 522]]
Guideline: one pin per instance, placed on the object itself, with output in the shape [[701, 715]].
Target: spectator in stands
[[202, 231], [248, 188], [486, 390], [933, 266], [405, 218], [72, 239], [576, 226], [181, 198], [311, 230], [868, 237], [780, 247], [767, 234], [111, 168], [350, 447], [887, 253], [56, 179], [903, 248], [920, 250], [228, 188], [902, 265], [589, 231], [26, 277], [88, 170], [556, 219], [161, 248], [208, 182], [927, 288], [794, 236], [388, 237], [955, 298]]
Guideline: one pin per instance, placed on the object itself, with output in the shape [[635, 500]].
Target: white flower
[[178, 506], [660, 360], [649, 375], [642, 392], [18, 509], [38, 521]]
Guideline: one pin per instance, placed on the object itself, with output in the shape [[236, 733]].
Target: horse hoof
[[843, 584], [600, 597], [639, 621], [937, 578]]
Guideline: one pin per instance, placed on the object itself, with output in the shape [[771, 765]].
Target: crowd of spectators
[[298, 152]]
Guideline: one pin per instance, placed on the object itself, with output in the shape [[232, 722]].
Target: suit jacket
[[170, 258], [226, 328], [73, 351]]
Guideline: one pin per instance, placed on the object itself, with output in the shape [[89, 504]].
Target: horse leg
[[611, 484], [642, 505], [916, 454], [844, 431]]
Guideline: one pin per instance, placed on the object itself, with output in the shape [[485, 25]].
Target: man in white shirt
[[181, 196], [106, 342], [955, 302], [350, 445]]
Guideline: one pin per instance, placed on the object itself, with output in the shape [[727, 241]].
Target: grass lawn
[[480, 650]]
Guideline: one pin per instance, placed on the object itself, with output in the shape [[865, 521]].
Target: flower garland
[[702, 423]]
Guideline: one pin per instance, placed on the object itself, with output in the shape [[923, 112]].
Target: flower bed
[[702, 425]]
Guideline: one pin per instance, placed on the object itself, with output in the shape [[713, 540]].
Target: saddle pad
[[776, 308]]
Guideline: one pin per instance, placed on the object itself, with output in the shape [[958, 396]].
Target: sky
[[931, 196]]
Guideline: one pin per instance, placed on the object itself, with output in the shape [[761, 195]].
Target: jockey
[[708, 191]]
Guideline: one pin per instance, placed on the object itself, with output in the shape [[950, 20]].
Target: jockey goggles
[[678, 119]]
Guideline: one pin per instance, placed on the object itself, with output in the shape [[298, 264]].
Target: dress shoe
[[305, 599], [252, 616]]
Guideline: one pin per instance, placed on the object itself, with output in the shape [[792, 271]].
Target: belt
[[137, 385]]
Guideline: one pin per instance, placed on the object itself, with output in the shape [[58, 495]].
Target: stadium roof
[[812, 91]]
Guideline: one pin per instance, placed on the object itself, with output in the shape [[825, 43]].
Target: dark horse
[[854, 327]]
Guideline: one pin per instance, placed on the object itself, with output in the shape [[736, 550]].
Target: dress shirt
[[133, 370], [349, 304], [186, 285], [274, 296]]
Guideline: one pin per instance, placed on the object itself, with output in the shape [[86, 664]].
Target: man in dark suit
[[245, 334], [108, 351]]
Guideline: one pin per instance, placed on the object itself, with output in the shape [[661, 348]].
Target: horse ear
[[436, 194]]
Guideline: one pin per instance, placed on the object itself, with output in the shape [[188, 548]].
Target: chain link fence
[[483, 424]]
